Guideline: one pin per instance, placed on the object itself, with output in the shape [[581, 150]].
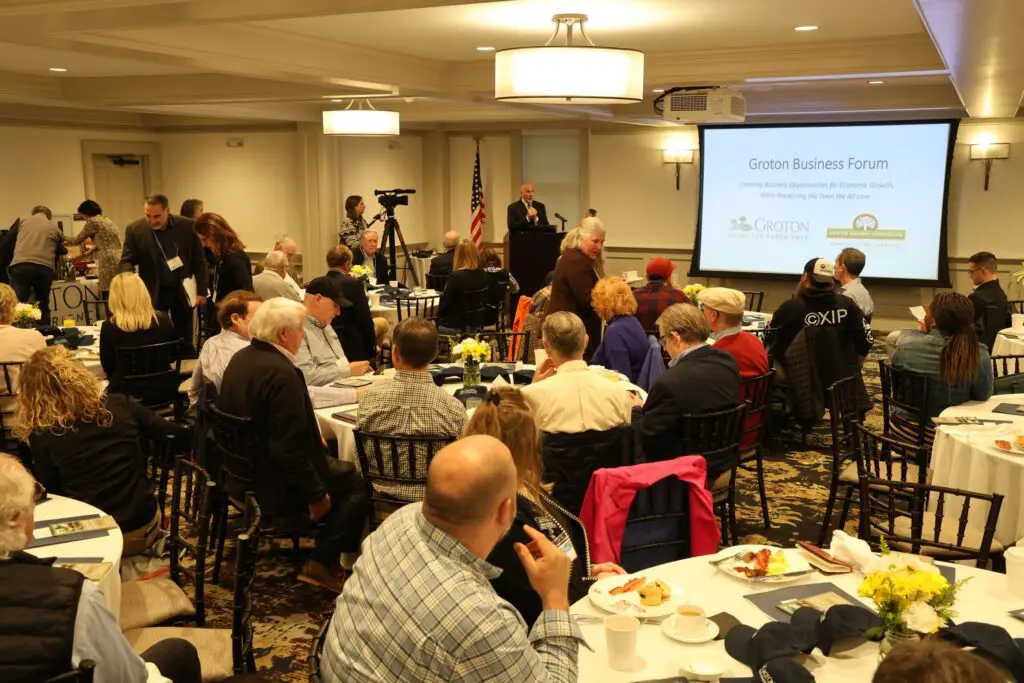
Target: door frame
[[149, 152]]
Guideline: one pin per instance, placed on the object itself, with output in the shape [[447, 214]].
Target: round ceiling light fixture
[[573, 73], [361, 121]]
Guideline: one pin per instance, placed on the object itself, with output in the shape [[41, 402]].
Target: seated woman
[[625, 345], [86, 445], [501, 283], [506, 416], [467, 276], [946, 349], [133, 322]]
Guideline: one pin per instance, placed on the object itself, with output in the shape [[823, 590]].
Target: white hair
[[591, 224], [274, 316], [276, 261], [17, 490], [368, 231]]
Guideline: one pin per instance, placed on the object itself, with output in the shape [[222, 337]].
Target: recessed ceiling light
[[337, 100], [806, 28], [875, 82], [58, 69], [485, 48], [658, 90]]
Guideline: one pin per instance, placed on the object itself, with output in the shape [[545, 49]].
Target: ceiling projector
[[705, 105]]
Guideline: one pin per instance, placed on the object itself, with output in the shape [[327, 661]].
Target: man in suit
[[526, 213], [369, 255], [443, 264], [699, 379], [360, 333], [167, 251]]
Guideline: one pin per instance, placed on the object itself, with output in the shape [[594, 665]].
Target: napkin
[[499, 382], [852, 551]]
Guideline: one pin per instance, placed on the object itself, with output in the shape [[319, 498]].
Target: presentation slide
[[773, 197]]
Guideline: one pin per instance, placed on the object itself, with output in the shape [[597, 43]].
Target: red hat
[[660, 267]]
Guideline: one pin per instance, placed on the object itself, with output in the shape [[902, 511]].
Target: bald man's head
[[451, 240], [526, 192], [468, 480]]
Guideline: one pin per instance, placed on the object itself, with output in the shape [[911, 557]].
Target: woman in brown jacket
[[577, 271]]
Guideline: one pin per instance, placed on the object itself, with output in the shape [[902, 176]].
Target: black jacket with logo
[[823, 309]]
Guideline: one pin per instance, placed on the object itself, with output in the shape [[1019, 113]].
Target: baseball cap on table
[[723, 299], [769, 652], [325, 286], [813, 629], [820, 270], [660, 267]]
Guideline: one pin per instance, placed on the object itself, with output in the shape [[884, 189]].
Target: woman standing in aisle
[[106, 242]]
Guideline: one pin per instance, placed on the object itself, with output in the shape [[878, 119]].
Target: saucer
[[710, 632]]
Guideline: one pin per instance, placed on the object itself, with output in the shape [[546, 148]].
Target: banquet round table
[[108, 548], [966, 457], [342, 431], [983, 598], [1009, 342]]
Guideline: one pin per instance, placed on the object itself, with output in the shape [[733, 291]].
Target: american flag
[[477, 208]]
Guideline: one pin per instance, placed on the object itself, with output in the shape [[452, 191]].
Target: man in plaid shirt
[[419, 605], [658, 294]]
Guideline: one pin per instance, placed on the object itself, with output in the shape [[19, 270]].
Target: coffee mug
[[1014, 557], [621, 631], [690, 620], [1018, 321], [393, 283]]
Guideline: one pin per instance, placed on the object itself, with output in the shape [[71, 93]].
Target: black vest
[[38, 607]]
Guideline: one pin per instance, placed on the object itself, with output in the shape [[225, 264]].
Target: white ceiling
[[279, 61]]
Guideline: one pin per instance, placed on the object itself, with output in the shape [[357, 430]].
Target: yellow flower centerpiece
[[363, 273], [27, 316], [472, 352], [912, 597], [692, 292]]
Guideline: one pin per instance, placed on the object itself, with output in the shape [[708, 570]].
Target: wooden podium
[[530, 256]]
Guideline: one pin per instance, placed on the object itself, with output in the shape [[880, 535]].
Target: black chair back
[[715, 435], [885, 514], [394, 469], [83, 674], [230, 454], [1007, 374], [316, 650], [437, 282], [756, 392], [570, 459], [1015, 306], [242, 655], [843, 418], [880, 457], [754, 300], [417, 307], [658, 525], [906, 398], [475, 309], [191, 501], [152, 373], [8, 396]]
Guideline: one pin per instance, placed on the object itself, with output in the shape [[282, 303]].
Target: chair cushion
[[721, 484], [188, 366], [213, 645], [848, 475], [947, 534], [148, 603]]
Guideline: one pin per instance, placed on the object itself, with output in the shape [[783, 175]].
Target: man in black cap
[[321, 357]]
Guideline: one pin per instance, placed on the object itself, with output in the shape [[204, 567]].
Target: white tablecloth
[[983, 598], [1007, 346], [108, 547], [965, 458], [89, 356], [342, 430], [390, 312]]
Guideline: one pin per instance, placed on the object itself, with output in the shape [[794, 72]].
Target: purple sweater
[[623, 347]]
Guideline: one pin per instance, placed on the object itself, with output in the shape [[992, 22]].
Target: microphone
[[560, 217]]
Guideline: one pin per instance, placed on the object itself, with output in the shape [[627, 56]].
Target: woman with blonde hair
[[506, 416], [85, 444], [625, 344], [133, 322], [467, 277], [577, 271]]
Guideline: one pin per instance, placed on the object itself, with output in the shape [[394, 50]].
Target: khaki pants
[[142, 539]]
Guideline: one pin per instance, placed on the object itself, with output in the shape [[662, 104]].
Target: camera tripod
[[387, 245]]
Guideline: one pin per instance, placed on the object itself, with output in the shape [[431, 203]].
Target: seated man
[[412, 405], [723, 309], [234, 313], [420, 605], [699, 379], [659, 293], [848, 267], [565, 396], [293, 475], [52, 618], [442, 264], [360, 333], [273, 280], [991, 307], [289, 248], [321, 358], [369, 255]]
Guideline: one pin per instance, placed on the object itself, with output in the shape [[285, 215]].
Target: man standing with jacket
[[35, 253], [167, 252]]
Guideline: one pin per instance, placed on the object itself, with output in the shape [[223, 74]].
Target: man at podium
[[526, 214]]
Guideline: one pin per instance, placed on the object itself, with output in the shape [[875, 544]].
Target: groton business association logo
[[740, 224], [866, 226]]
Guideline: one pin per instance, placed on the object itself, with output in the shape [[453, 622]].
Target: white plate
[[710, 632], [797, 563], [1014, 448], [629, 603]]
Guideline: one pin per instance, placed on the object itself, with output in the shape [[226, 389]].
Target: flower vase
[[891, 640], [366, 285], [471, 373]]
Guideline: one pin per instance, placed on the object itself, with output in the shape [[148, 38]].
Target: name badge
[[174, 263], [567, 548]]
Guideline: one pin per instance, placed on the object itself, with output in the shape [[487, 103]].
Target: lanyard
[[170, 224]]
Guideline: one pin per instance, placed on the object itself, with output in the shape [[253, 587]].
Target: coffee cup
[[621, 632], [690, 620], [374, 298], [1018, 321], [393, 283], [1014, 558]]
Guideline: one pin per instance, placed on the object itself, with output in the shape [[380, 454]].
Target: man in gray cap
[[723, 309]]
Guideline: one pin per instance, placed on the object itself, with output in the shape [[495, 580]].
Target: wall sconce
[[677, 156], [988, 152]]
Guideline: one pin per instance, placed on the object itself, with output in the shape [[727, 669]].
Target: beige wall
[[496, 169]]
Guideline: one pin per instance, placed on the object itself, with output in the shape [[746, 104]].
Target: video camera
[[389, 199]]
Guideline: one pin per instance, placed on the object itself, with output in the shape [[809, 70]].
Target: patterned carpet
[[287, 613]]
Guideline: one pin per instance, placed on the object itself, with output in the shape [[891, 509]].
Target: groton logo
[[866, 226], [741, 224]]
